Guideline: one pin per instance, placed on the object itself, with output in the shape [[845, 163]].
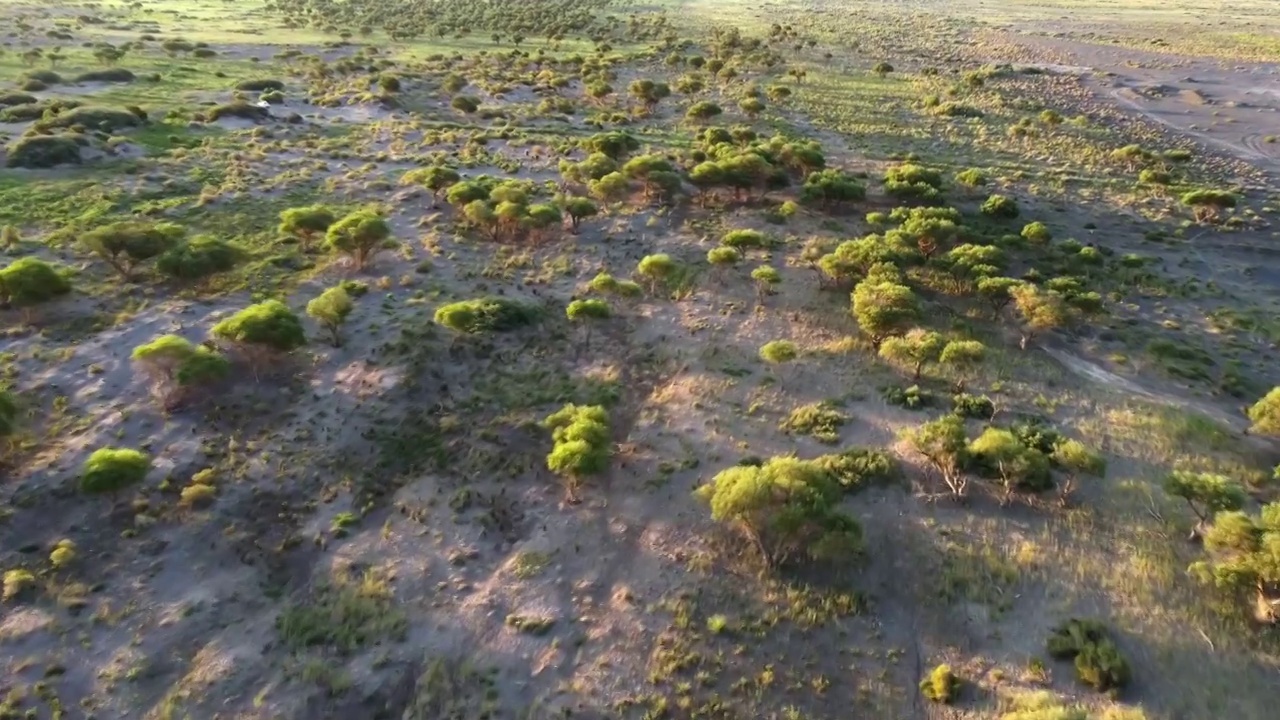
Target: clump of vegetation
[[262, 332], [331, 309], [582, 445], [259, 85], [30, 281], [1098, 661], [44, 151], [488, 314], [306, 223], [242, 109], [776, 352], [940, 685], [856, 468], [110, 470], [16, 583], [92, 117], [199, 257], [914, 182], [1206, 494], [821, 421], [1000, 206], [786, 508], [1208, 205], [1265, 414], [360, 236], [178, 367], [1242, 559], [125, 245]]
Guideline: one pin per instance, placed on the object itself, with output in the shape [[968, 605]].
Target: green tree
[[1041, 311], [962, 356], [437, 179], [581, 444], [703, 111], [786, 508], [306, 223], [649, 92], [1265, 414], [110, 470], [1244, 558], [883, 309], [579, 208], [331, 309], [1207, 494], [751, 106], [997, 292], [125, 245], [723, 257], [766, 278], [943, 443], [587, 312], [656, 269], [29, 281], [914, 350], [1017, 466], [177, 367], [359, 235], [262, 331], [611, 187]]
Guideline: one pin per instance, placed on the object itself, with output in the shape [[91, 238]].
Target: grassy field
[[423, 392]]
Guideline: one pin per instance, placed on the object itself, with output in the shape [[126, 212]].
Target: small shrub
[[268, 325], [973, 177], [1037, 232], [44, 151], [259, 85], [199, 257], [940, 686], [1000, 206], [16, 98], [745, 239], [17, 582], [857, 468], [818, 420], [1098, 661], [110, 75], [489, 314], [911, 398], [63, 554], [777, 352], [979, 407], [239, 109], [93, 117], [110, 470]]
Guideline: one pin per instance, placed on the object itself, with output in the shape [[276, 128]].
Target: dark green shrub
[[268, 325], [465, 104], [911, 398], [260, 85], [44, 151], [237, 108], [93, 117], [110, 470], [199, 257], [30, 281], [489, 314], [48, 77], [979, 407], [16, 98], [35, 111], [110, 75], [1098, 661], [1102, 667]]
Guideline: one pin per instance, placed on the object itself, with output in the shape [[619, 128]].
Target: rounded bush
[[44, 151], [16, 98], [999, 206], [199, 257], [259, 85], [110, 75], [91, 116], [110, 470]]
